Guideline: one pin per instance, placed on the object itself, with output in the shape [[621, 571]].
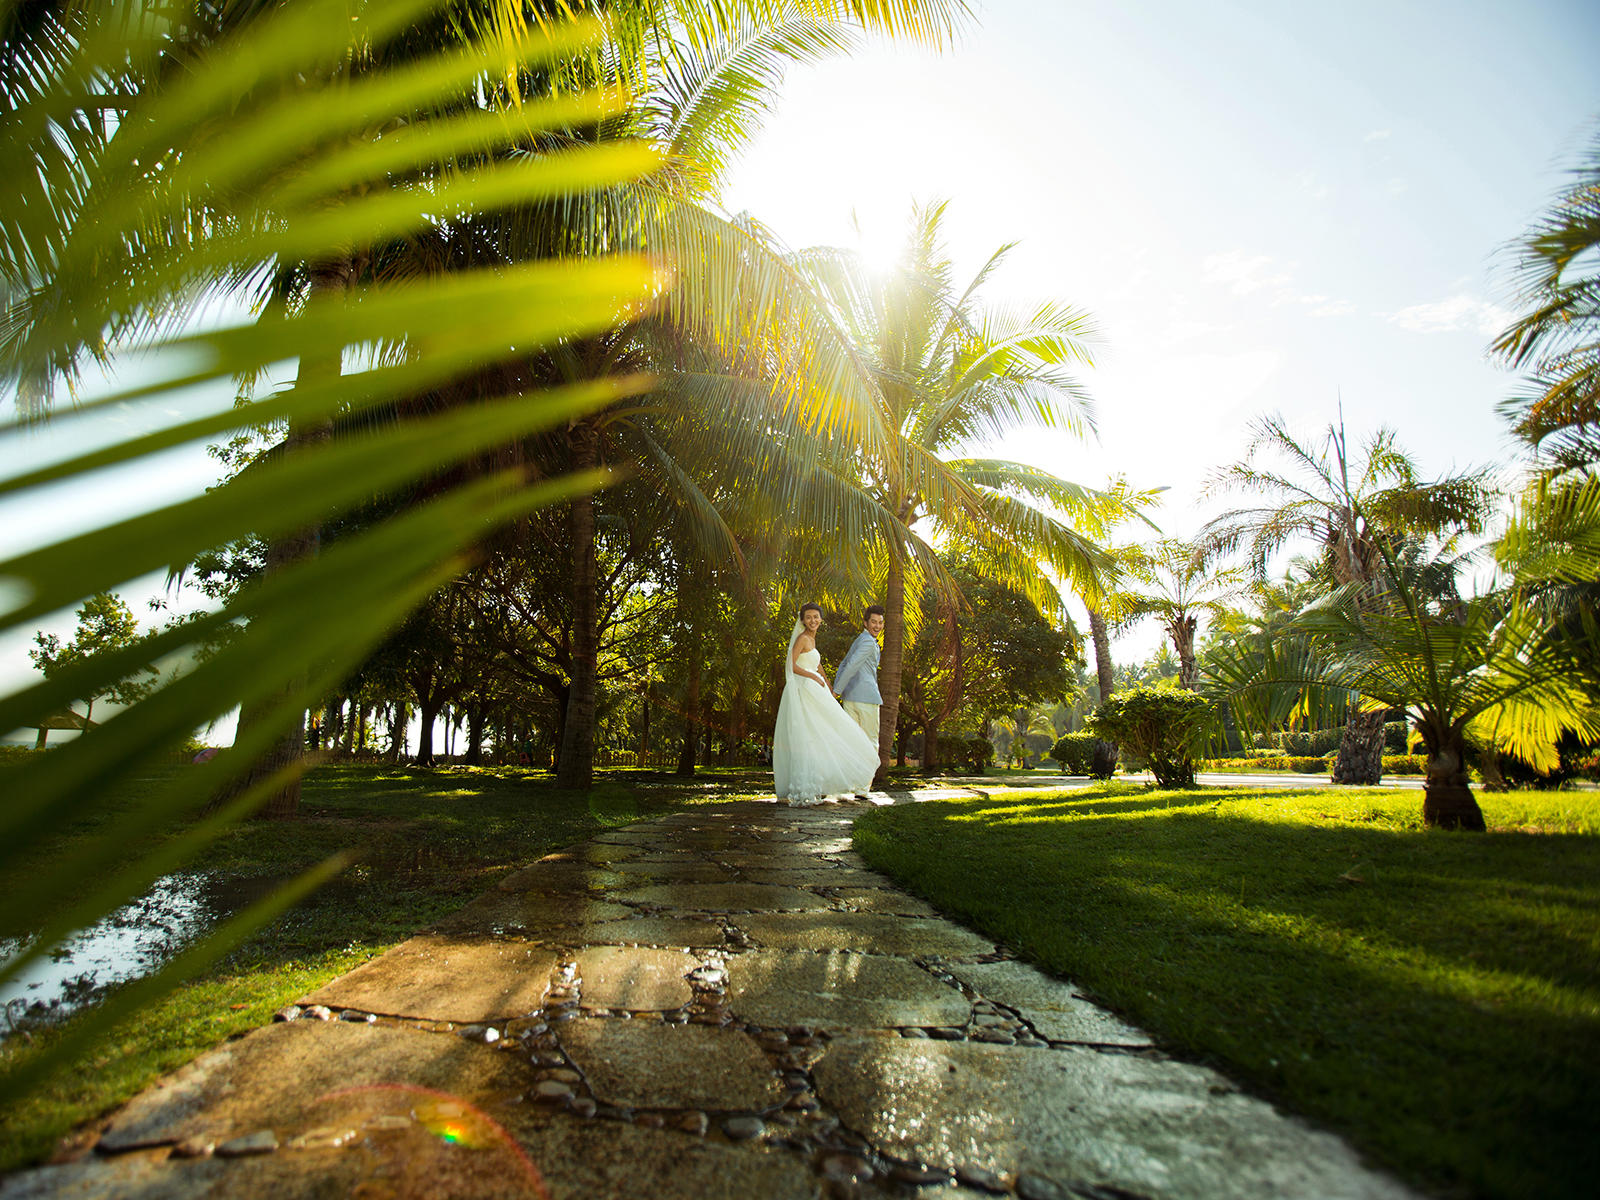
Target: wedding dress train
[[817, 750]]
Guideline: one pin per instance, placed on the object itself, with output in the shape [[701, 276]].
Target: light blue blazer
[[857, 677]]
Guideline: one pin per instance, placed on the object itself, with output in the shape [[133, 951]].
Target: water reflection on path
[[133, 941]]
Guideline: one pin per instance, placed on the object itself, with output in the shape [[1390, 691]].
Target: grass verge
[[1433, 996], [428, 841]]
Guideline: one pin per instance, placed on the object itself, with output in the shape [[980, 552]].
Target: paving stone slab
[[683, 932], [1084, 1119], [786, 859], [561, 876], [543, 915], [635, 977], [640, 1064], [275, 1078], [438, 978], [813, 875], [599, 1160], [883, 900], [840, 990], [632, 874], [723, 897], [870, 933], [1048, 1004]]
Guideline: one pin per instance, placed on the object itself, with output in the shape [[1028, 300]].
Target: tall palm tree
[[951, 371], [1353, 509], [1558, 338]]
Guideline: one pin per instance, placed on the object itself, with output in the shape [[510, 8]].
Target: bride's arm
[[801, 644]]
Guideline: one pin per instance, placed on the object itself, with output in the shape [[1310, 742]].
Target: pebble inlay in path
[[722, 1003]]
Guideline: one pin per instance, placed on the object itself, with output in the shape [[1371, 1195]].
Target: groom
[[856, 680]]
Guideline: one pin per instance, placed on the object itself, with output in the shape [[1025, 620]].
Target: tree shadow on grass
[[1436, 996]]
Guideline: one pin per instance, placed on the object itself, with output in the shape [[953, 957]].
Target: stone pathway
[[717, 1003]]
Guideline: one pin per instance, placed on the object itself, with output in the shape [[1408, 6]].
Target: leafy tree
[[984, 657], [105, 624], [1161, 725], [1557, 340], [1353, 509]]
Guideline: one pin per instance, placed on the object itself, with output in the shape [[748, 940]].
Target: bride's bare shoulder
[[805, 642]]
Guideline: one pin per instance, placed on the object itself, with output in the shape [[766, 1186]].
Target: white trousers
[[864, 715]]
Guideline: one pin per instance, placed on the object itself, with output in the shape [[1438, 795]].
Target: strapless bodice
[[808, 659]]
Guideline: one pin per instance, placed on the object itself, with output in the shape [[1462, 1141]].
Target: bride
[[817, 750]]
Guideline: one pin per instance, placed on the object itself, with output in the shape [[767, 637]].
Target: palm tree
[[1180, 585], [1353, 510], [949, 371], [1482, 666], [1558, 338]]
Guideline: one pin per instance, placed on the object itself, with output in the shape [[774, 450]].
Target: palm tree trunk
[[1105, 752], [930, 746], [475, 721], [1182, 631], [691, 708], [327, 278], [1360, 759], [575, 768], [892, 662], [1447, 801]]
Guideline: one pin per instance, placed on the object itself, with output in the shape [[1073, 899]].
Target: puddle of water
[[133, 941]]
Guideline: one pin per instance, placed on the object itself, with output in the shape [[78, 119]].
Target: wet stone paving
[[722, 1003]]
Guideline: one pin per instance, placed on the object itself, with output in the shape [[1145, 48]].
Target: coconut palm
[[951, 371], [1558, 338], [1354, 509]]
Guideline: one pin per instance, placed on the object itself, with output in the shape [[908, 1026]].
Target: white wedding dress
[[817, 750]]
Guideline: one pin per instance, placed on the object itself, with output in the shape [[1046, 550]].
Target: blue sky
[[1266, 206]]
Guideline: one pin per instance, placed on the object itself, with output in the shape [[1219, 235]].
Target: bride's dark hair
[[810, 604]]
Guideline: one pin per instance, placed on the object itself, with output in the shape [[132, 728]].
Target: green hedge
[[1393, 764]]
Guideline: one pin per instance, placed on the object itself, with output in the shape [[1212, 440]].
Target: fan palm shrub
[[1353, 508]]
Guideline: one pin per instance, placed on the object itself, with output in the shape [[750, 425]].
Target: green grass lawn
[[1433, 996], [428, 843]]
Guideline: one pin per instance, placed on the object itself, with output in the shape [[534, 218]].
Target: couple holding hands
[[820, 750]]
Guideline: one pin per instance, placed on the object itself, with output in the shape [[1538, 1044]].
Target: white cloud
[[1246, 273], [1377, 135], [1311, 184], [1458, 313]]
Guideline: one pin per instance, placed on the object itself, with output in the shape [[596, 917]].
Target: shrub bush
[[1161, 725], [1075, 753], [976, 753]]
